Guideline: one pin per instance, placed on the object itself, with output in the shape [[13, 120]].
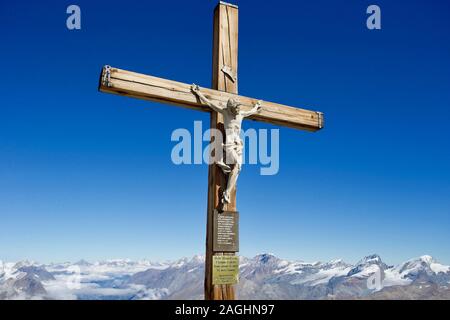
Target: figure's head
[[234, 106]]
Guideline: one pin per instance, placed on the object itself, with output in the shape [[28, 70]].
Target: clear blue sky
[[88, 175]]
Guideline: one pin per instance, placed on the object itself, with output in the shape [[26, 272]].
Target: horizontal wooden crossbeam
[[136, 85]]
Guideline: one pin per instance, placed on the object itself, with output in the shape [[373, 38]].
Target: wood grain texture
[[225, 46], [151, 88]]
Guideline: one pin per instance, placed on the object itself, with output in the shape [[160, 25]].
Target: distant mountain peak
[[367, 266], [373, 258], [265, 257], [425, 264], [336, 261], [427, 259], [82, 262], [24, 263], [198, 258]]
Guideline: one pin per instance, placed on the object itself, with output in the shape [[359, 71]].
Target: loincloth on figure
[[233, 152]]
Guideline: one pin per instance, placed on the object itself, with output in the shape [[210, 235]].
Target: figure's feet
[[225, 168]]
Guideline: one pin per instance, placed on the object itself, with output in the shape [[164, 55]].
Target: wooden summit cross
[[224, 83]]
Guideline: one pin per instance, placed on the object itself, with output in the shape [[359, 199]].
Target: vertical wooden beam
[[225, 54]]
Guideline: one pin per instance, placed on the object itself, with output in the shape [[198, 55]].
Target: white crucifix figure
[[232, 122]]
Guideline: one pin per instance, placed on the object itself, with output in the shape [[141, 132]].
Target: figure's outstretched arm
[[216, 107], [256, 109]]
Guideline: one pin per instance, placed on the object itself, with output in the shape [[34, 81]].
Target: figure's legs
[[232, 179], [234, 156]]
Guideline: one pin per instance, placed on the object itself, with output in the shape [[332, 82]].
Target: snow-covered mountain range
[[262, 277]]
